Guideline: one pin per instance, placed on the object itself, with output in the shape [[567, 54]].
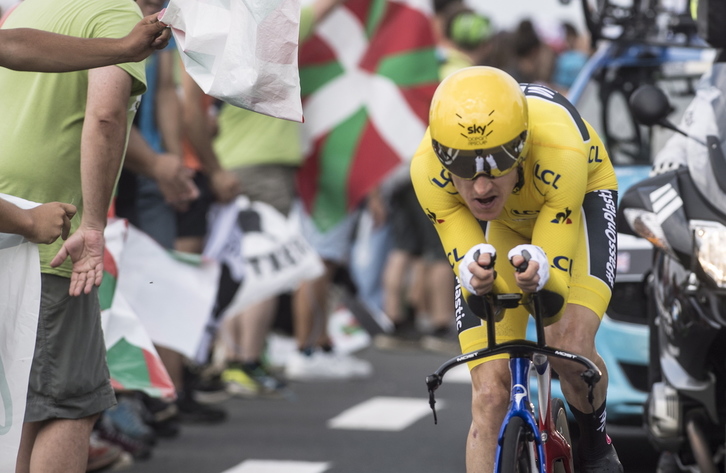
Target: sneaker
[[128, 416], [355, 367], [101, 453], [321, 366], [162, 416], [607, 463], [205, 384], [124, 462], [257, 382], [194, 412], [442, 340], [108, 432], [211, 390], [404, 337]]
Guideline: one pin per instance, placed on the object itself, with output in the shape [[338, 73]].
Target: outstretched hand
[[85, 248], [147, 36]]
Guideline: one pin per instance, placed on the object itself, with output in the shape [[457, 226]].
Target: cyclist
[[506, 167]]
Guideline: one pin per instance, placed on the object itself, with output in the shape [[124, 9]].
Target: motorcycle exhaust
[[664, 416]]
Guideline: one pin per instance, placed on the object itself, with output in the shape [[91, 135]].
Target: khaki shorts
[[69, 377], [272, 184]]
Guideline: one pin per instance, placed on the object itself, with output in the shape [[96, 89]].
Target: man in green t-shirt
[[26, 49], [63, 139]]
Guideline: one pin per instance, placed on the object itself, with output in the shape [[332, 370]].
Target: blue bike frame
[[520, 406], [524, 355]]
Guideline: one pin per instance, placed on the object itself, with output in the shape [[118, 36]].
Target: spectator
[[42, 224], [534, 58], [95, 108], [145, 198], [465, 41], [315, 357], [571, 59], [26, 49]]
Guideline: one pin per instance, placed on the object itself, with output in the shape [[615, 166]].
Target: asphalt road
[[382, 425]]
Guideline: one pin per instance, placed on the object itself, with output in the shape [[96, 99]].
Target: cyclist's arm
[[457, 228], [556, 230]]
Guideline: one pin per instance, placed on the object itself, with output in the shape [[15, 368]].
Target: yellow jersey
[[566, 159]]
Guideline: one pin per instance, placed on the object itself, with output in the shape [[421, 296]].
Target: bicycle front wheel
[[518, 448]]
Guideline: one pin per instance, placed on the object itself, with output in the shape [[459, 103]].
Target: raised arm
[[26, 49]]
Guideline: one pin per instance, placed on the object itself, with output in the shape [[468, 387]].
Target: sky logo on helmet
[[477, 130]]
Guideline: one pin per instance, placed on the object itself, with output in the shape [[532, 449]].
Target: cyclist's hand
[[476, 270], [537, 273]]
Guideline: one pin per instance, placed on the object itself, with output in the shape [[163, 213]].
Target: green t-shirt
[[247, 138], [42, 114]]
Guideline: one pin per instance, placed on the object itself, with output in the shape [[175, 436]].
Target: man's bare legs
[[440, 283], [575, 333], [490, 398], [55, 446], [245, 334], [310, 309], [394, 282], [439, 288], [315, 357]]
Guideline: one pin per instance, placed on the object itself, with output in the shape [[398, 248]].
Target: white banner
[[172, 298], [19, 307], [242, 51], [274, 254]]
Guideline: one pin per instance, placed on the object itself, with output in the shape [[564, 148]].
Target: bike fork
[[556, 447], [520, 406]]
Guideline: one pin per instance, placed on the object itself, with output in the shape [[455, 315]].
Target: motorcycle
[[682, 212]]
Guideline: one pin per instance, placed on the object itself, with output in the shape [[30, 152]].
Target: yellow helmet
[[478, 122]]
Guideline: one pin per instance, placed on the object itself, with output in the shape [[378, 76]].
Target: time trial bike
[[530, 439]]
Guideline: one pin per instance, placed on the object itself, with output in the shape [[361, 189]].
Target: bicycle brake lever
[[590, 377], [477, 253], [523, 267], [433, 382]]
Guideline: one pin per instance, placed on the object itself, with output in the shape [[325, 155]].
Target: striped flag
[[132, 359], [367, 78]]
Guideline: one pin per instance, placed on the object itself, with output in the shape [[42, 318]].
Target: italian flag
[[367, 77], [132, 359]]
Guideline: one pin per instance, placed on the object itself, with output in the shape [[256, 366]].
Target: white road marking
[[277, 466], [384, 413], [458, 374]]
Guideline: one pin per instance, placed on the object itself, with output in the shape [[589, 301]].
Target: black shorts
[[193, 221], [412, 230]]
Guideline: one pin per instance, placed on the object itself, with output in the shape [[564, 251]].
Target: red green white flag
[[367, 77], [133, 361]]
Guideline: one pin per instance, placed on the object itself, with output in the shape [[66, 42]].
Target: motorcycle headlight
[[646, 224], [709, 238]]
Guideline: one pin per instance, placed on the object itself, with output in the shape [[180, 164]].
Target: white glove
[[465, 275], [538, 255]]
